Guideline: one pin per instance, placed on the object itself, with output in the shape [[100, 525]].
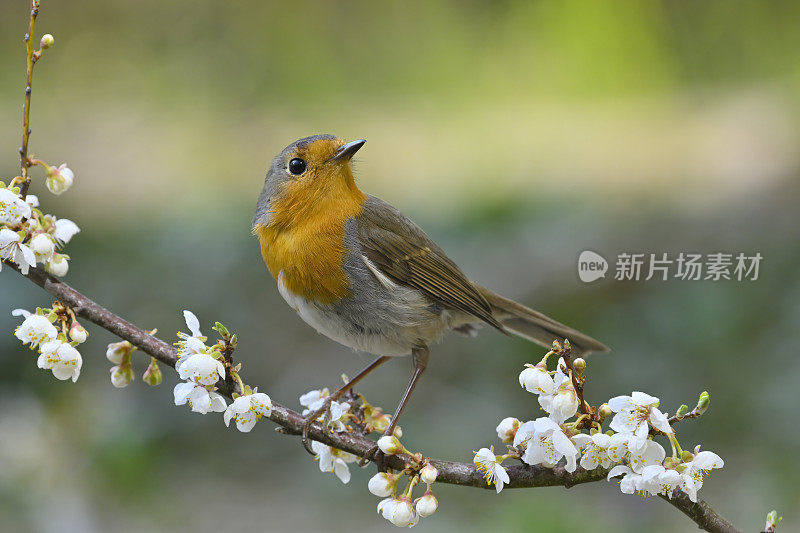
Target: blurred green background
[[517, 133]]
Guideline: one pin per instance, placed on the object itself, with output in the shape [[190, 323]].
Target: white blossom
[[313, 400], [12, 208], [390, 445], [382, 484], [199, 398], [62, 359], [399, 512], [117, 350], [32, 200], [121, 375], [11, 249], [493, 472], [58, 265], [64, 230], [428, 474], [617, 448], [333, 460], [247, 410], [338, 416], [536, 379], [649, 454], [656, 479], [43, 247], [427, 505], [35, 329], [202, 368], [562, 402], [59, 179], [630, 483], [595, 452], [633, 414], [524, 433], [190, 343], [507, 429], [696, 470], [549, 444], [77, 332]]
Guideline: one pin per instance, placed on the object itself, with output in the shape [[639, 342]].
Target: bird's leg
[[420, 361], [312, 417]]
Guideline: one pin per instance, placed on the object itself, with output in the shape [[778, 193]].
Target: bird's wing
[[401, 250]]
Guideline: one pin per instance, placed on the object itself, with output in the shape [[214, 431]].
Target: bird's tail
[[537, 327]]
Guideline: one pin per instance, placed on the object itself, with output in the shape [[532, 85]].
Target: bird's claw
[[368, 456], [375, 455]]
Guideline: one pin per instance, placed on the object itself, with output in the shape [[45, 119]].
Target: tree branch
[[291, 422], [701, 514]]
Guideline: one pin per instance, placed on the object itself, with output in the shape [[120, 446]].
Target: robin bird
[[361, 273]]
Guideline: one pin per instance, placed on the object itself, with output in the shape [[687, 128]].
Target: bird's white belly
[[330, 324]]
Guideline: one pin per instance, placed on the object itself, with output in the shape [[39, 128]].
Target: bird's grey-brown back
[[385, 231]]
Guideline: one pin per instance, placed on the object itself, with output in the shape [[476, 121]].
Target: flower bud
[[43, 247], [507, 429], [428, 474], [398, 431], [403, 514], [117, 351], [579, 364], [605, 411], [682, 410], [427, 505], [57, 265], [47, 41], [772, 520], [390, 445], [121, 375], [565, 401], [77, 332], [535, 379], [703, 402], [59, 179], [379, 422], [152, 376], [382, 484]]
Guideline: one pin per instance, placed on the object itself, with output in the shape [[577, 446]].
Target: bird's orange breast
[[304, 241]]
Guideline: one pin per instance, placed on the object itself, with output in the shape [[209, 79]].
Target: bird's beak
[[347, 151]]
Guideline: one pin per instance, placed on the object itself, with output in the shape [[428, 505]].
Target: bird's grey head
[[301, 159]]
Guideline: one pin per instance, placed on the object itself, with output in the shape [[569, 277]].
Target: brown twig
[[577, 384], [26, 108], [694, 413], [291, 422]]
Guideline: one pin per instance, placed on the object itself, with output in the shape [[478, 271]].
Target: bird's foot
[[314, 417], [375, 455]]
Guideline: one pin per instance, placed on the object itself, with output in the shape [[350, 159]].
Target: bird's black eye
[[297, 166]]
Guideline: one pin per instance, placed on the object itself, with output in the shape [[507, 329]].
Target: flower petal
[[618, 403], [618, 471], [192, 323]]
